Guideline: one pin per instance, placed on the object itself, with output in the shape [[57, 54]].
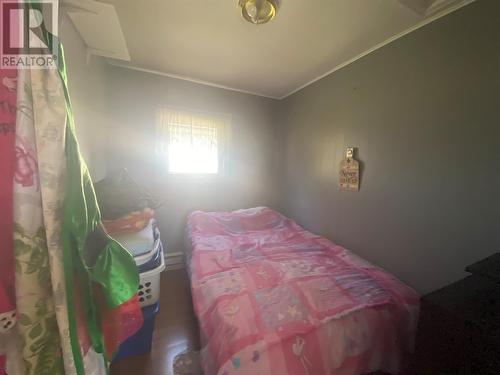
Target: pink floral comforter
[[272, 298]]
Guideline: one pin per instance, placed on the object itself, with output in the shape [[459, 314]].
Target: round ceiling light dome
[[259, 11]]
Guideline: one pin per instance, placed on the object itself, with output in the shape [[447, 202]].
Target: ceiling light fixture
[[259, 11]]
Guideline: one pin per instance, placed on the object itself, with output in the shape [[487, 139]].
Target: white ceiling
[[208, 41]]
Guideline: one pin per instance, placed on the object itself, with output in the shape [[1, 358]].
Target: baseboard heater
[[174, 261]]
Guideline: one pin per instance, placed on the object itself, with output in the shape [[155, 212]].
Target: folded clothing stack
[[128, 215]]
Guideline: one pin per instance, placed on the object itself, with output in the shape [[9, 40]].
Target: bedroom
[[366, 125]]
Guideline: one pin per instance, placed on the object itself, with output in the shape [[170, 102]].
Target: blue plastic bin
[[140, 343]]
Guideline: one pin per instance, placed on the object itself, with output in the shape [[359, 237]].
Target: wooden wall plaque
[[349, 172]]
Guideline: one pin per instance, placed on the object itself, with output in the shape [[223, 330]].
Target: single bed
[[274, 299]]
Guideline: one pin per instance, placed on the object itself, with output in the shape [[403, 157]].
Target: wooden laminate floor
[[176, 330]]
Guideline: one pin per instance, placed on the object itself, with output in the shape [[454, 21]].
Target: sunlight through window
[[193, 149], [190, 142]]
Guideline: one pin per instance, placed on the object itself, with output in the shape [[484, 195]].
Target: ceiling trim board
[[382, 44], [422, 23], [189, 79]]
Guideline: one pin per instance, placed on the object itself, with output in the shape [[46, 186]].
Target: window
[[192, 143]]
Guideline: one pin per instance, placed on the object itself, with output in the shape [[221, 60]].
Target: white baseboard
[[174, 261]]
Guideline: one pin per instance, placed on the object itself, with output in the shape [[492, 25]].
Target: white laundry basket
[[149, 285], [145, 257]]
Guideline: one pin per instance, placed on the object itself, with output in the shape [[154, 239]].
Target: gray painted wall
[[134, 98], [87, 86], [424, 112]]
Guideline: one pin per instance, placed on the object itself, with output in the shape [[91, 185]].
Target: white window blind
[[192, 143]]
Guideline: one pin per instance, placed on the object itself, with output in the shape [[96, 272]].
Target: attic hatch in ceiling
[[99, 26]]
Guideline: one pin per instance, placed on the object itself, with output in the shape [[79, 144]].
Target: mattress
[[273, 298]]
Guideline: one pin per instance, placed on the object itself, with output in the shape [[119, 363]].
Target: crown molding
[[382, 44], [186, 78]]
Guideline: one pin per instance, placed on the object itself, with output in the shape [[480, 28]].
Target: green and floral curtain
[[75, 287]]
